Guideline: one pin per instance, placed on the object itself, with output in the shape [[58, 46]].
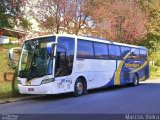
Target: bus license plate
[[30, 89]]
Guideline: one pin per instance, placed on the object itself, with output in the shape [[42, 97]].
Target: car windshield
[[35, 60]]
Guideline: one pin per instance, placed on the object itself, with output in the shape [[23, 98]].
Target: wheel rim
[[135, 80], [79, 87]]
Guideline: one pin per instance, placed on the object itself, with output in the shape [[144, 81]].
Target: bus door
[[125, 59], [64, 64]]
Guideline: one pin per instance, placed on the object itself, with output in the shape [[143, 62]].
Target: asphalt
[[142, 99]]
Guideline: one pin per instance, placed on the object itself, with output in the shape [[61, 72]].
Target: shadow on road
[[90, 92]]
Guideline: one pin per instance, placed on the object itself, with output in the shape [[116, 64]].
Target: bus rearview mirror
[[11, 54], [11, 51], [50, 47]]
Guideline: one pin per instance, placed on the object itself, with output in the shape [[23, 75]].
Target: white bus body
[[91, 72]]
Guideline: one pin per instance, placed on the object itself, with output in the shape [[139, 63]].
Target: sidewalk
[[9, 100], [157, 80]]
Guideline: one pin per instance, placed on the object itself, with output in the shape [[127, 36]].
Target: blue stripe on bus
[[128, 70]]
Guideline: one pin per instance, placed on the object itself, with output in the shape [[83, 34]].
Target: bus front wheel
[[135, 80], [80, 87]]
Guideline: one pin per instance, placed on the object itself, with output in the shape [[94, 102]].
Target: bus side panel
[[97, 72], [126, 70], [129, 66], [136, 66], [143, 72]]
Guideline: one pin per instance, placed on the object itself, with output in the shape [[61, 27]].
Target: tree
[[80, 14], [152, 39], [70, 15], [11, 15], [119, 20], [9, 11]]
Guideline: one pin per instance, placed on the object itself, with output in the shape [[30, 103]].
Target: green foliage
[[12, 65], [154, 70], [153, 56], [152, 40], [11, 14], [8, 12], [9, 46], [25, 23], [157, 61]]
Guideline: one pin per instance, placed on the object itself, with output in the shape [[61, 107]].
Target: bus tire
[[135, 80], [80, 87]]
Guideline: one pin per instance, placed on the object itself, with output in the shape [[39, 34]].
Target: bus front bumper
[[39, 89]]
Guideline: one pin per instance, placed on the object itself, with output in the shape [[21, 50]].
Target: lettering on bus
[[128, 65]]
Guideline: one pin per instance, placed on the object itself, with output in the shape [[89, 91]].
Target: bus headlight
[[47, 81]]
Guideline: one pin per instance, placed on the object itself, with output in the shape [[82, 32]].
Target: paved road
[[144, 98]]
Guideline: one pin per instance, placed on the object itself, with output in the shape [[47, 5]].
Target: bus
[[63, 63]]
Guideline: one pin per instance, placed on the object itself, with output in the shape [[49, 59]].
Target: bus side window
[[135, 54], [101, 50], [143, 54], [114, 52], [118, 52], [125, 51], [85, 49]]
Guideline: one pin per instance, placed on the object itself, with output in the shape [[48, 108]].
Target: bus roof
[[96, 39]]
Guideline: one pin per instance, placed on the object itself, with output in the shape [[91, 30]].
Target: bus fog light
[[19, 82], [47, 81]]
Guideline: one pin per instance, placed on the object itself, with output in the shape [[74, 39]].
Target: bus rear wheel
[[135, 80], [80, 87]]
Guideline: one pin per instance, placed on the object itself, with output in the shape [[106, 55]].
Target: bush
[[10, 45], [154, 70], [157, 62]]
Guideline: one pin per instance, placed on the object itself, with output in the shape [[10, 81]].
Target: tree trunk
[[14, 84]]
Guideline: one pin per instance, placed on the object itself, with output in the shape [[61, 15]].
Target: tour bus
[[55, 64]]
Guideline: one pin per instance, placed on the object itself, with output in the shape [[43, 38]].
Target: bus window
[[143, 54], [125, 51], [64, 56], [135, 54], [85, 49], [118, 52], [101, 50], [114, 52]]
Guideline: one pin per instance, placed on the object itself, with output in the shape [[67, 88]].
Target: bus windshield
[[35, 60]]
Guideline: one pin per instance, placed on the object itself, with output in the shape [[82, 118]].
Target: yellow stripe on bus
[[142, 78], [118, 72], [141, 67]]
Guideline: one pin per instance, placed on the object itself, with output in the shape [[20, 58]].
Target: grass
[[5, 86], [5, 89]]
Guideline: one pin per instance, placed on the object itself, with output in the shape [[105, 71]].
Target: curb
[[151, 81], [19, 99]]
